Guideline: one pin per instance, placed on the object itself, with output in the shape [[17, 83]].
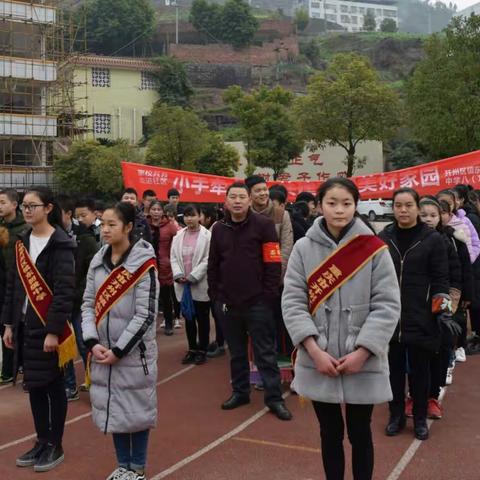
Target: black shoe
[[420, 428], [395, 425], [215, 351], [236, 400], [200, 358], [30, 458], [51, 456], [168, 332], [189, 357], [280, 410]]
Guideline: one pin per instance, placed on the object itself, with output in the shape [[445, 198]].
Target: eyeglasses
[[31, 207]]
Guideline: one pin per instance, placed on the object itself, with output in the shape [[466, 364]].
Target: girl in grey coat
[[342, 347], [123, 365]]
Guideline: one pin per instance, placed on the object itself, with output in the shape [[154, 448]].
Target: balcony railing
[[29, 12], [27, 125]]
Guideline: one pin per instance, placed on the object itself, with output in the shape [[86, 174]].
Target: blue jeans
[[70, 379], [131, 449]]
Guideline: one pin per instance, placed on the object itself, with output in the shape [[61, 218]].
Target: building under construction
[[36, 104]]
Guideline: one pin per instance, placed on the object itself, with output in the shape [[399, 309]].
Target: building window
[[379, 11], [329, 6], [371, 10], [100, 77], [344, 8], [316, 15], [331, 18], [361, 10], [316, 5], [344, 19], [353, 19], [102, 123], [148, 81], [390, 13], [353, 9]]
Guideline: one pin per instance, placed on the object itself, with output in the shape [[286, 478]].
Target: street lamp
[[174, 3]]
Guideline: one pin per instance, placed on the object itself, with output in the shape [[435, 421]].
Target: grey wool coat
[[363, 312], [123, 396]]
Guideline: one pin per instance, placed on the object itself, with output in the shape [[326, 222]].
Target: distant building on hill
[[350, 13], [466, 12]]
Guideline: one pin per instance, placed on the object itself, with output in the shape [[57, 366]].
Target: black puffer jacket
[[473, 216], [56, 264], [422, 273]]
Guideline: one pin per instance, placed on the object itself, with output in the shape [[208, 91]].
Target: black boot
[[29, 458], [51, 456], [395, 425], [420, 428]]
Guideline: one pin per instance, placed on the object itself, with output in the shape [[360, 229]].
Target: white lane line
[[212, 445], [412, 449], [88, 414]]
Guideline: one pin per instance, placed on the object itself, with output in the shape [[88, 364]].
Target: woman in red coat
[[166, 231]]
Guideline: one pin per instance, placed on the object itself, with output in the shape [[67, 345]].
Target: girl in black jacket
[[420, 258], [36, 342]]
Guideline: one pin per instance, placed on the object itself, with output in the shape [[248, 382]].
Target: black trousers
[[49, 410], [200, 324], [7, 357], [166, 292], [332, 430], [217, 313], [257, 321], [416, 362]]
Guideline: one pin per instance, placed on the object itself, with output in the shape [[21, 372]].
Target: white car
[[374, 209]]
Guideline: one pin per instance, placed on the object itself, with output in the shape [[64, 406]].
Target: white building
[[350, 14], [466, 12]]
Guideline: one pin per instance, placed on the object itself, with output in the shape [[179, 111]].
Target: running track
[[196, 440]]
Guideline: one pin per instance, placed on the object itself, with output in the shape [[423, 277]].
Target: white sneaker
[[460, 355], [133, 476], [162, 325], [118, 474], [177, 324], [449, 379]]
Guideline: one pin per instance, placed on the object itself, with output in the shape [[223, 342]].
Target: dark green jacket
[[15, 228]]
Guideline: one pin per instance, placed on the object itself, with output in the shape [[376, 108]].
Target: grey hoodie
[[123, 395], [361, 313]]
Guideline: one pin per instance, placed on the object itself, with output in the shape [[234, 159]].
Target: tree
[[443, 98], [388, 25], [90, 167], [405, 153], [268, 128], [302, 19], [345, 105], [118, 26], [231, 23], [369, 22], [173, 85], [218, 158], [178, 137]]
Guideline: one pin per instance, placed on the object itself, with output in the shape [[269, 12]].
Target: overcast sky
[[464, 3]]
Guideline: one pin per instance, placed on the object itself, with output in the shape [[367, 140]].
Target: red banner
[[428, 178]]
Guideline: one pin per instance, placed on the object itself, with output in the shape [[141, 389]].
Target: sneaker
[[216, 351], [434, 409], [5, 380], [51, 456], [29, 458], [460, 355], [130, 475], [72, 394], [162, 325], [84, 387], [118, 474], [177, 324], [189, 358], [200, 358], [409, 407], [449, 377]]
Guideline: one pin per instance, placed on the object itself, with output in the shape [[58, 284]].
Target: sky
[[461, 4]]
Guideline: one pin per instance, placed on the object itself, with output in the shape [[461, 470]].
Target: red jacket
[[167, 231]]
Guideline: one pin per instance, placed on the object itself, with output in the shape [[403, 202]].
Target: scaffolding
[[39, 42]]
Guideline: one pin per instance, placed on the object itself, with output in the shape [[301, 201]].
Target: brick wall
[[268, 54]]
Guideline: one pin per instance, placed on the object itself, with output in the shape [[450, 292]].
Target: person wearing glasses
[[38, 302]]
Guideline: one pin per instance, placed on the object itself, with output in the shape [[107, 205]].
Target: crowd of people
[[369, 317]]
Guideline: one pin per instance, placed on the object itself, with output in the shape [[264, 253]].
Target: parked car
[[374, 209]]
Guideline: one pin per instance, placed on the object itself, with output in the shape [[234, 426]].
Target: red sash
[[340, 266], [40, 297], [115, 286]]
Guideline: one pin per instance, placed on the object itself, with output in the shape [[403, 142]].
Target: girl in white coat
[[189, 260]]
